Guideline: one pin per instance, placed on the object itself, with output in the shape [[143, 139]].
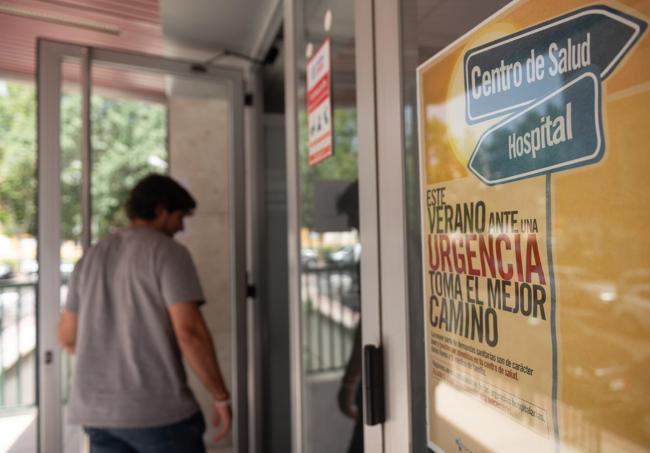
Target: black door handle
[[373, 358]]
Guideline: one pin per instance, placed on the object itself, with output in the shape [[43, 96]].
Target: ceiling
[[242, 26], [95, 22], [188, 29]]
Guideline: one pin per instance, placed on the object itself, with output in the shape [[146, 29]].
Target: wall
[[199, 157]]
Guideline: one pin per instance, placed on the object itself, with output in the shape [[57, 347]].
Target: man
[[132, 311]]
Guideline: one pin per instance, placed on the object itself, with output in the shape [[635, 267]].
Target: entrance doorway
[[199, 142]]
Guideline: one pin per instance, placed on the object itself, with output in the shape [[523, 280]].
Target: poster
[[533, 138], [319, 105]]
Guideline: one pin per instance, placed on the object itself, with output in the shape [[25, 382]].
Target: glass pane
[[18, 267], [129, 137], [330, 248], [141, 123], [568, 369]]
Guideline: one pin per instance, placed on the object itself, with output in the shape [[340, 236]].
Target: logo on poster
[[548, 79]]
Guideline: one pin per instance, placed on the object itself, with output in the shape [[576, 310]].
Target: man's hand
[[346, 399], [222, 418], [67, 331]]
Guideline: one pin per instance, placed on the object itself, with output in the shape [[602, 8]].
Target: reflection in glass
[[330, 248]]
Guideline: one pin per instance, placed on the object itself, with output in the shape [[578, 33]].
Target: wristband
[[225, 402]]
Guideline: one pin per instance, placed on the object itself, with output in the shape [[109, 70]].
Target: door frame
[[49, 59], [384, 279], [393, 248], [372, 319], [292, 22]]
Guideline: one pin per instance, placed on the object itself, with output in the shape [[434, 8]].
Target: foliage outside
[[341, 166], [128, 141]]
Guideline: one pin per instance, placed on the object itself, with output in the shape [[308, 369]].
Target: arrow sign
[[511, 73], [560, 131]]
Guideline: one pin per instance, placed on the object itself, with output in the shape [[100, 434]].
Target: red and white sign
[[319, 105]]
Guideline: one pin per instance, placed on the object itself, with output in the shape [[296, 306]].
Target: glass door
[[105, 119], [525, 332], [330, 249], [332, 204]]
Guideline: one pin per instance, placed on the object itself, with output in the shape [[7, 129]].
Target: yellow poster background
[[600, 246]]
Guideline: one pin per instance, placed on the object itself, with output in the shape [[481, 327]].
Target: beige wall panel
[[198, 143]]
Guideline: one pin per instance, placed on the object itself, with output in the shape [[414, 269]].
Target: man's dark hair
[[157, 190]]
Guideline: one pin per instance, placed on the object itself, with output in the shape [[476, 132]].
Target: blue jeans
[[185, 436]]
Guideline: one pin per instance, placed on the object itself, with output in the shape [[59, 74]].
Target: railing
[[331, 304], [17, 344]]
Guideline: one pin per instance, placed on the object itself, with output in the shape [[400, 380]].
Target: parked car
[[348, 254], [66, 270], [6, 272], [29, 270], [308, 258]]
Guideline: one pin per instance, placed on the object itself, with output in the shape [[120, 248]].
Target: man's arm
[[350, 381], [67, 330], [195, 342]]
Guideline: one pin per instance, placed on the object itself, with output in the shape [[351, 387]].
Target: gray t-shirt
[[129, 372]]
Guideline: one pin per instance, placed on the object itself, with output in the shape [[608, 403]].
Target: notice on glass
[[502, 112], [319, 105]]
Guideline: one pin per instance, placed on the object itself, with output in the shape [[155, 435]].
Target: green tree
[[18, 159], [128, 139]]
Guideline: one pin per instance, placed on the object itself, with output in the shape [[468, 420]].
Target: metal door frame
[[372, 319], [292, 18], [382, 200], [383, 275], [391, 191], [50, 57]]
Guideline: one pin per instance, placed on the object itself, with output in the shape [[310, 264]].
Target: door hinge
[[373, 358], [248, 99]]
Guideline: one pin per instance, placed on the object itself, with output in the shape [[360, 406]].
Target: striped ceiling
[[120, 24]]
